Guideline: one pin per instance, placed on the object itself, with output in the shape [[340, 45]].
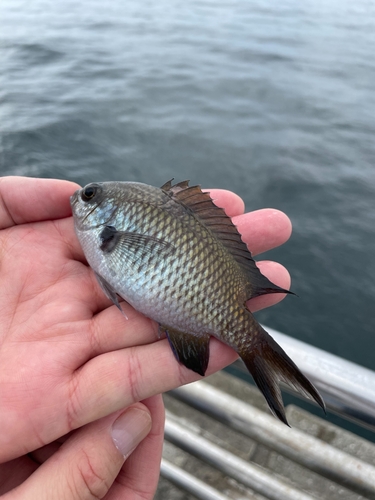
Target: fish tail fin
[[269, 364]]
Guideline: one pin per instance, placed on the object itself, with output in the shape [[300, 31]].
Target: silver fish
[[178, 259]]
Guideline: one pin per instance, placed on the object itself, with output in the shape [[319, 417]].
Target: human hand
[[89, 463], [67, 356]]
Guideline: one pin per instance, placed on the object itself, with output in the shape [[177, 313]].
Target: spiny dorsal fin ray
[[269, 365], [215, 219]]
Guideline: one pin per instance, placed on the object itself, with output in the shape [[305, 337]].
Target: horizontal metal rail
[[307, 450], [347, 388], [244, 472], [189, 483]]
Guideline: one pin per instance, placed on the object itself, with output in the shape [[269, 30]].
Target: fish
[[178, 259]]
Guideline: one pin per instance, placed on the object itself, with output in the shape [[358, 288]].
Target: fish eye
[[89, 192]]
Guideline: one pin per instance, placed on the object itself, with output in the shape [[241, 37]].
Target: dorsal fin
[[215, 219]]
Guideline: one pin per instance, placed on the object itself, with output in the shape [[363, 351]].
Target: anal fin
[[269, 364], [190, 350]]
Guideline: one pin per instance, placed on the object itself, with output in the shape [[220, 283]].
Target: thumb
[[87, 464]]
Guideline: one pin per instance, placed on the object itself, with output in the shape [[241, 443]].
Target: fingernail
[[130, 429]]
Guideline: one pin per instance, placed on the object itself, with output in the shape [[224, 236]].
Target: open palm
[[67, 355]]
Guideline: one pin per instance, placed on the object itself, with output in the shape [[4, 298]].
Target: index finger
[[229, 201], [264, 229], [26, 199]]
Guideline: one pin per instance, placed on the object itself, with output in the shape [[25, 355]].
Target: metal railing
[[347, 389], [242, 471]]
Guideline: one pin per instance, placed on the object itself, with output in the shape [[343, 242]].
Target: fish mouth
[[74, 198]]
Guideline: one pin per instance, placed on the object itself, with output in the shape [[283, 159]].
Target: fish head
[[93, 205], [99, 203]]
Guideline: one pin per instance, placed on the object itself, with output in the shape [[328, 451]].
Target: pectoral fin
[[128, 243], [189, 350]]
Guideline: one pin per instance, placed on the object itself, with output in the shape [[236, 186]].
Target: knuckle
[[73, 408], [135, 375], [92, 478], [95, 336]]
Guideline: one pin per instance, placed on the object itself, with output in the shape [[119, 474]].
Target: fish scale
[[178, 259]]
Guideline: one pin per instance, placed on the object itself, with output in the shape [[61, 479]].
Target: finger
[[117, 379], [277, 274], [141, 471], [230, 202], [24, 199], [263, 229], [110, 330], [87, 464]]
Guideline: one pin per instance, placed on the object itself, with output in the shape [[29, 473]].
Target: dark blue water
[[274, 100]]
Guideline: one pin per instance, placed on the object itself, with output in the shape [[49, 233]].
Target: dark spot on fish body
[[109, 238]]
